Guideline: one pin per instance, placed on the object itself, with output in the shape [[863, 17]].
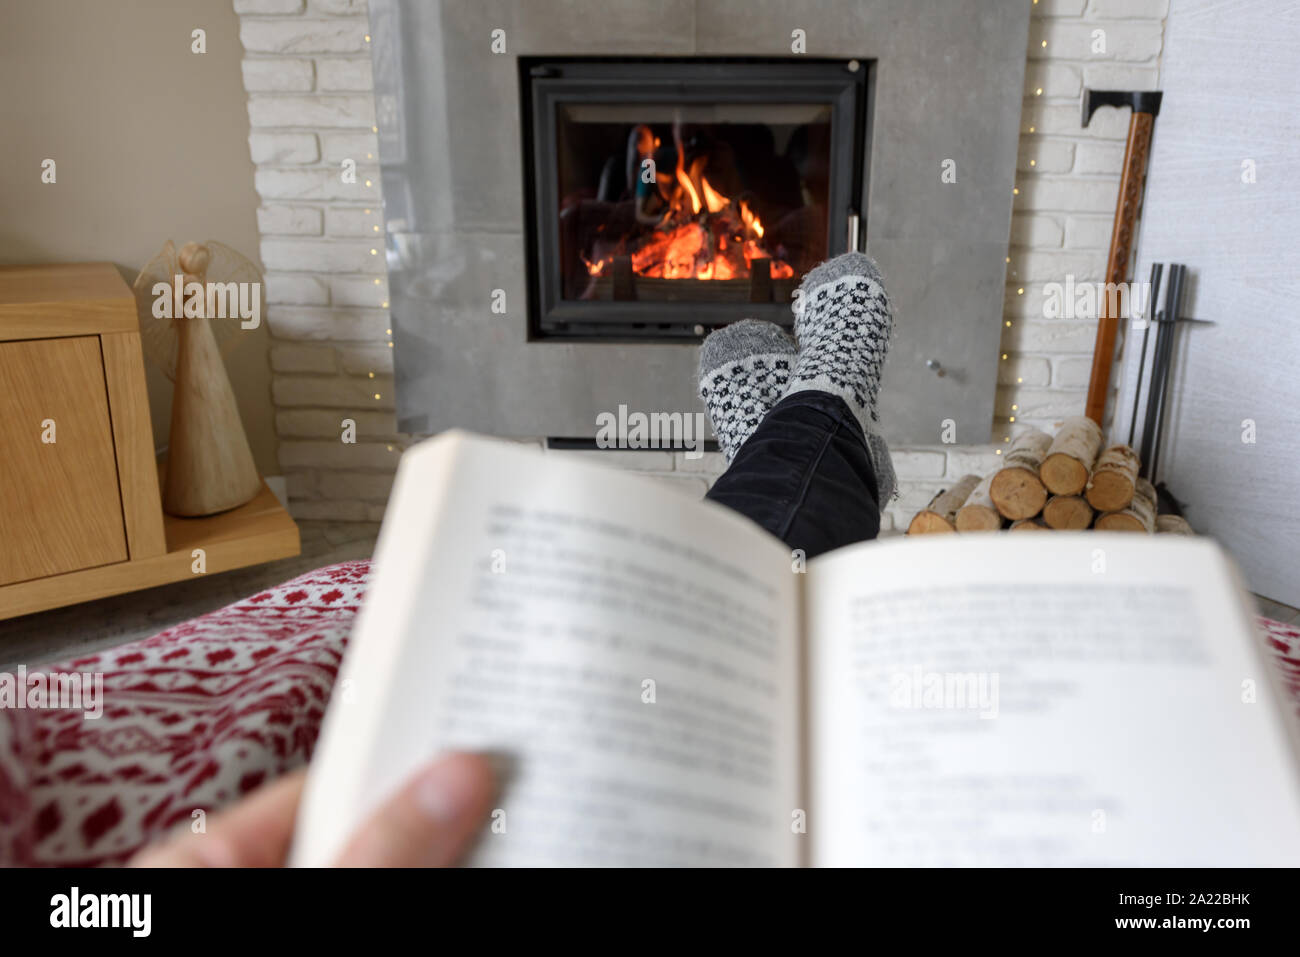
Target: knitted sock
[[744, 370], [843, 321]]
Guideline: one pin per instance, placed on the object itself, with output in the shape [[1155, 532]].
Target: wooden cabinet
[[60, 503], [80, 513]]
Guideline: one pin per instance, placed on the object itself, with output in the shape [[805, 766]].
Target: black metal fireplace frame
[[546, 82]]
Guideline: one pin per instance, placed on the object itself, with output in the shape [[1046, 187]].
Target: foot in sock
[[843, 321], [744, 370]]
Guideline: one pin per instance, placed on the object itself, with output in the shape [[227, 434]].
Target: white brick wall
[[1066, 184], [307, 75]]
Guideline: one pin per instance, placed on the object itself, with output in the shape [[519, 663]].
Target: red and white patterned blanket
[[194, 718], [202, 713]]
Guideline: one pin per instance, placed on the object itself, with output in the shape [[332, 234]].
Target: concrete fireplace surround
[[948, 86]]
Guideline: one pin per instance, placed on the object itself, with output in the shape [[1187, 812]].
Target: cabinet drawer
[[60, 504]]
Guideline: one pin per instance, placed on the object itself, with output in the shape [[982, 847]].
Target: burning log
[[1016, 489], [677, 290], [1070, 457], [702, 235], [1140, 516], [1067, 513], [979, 514], [941, 514], [1114, 477]]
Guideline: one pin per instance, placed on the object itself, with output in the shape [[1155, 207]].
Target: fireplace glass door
[[668, 198]]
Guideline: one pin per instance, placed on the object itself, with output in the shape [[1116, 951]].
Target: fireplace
[[491, 332], [667, 197]]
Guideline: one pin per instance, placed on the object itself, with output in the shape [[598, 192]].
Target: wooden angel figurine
[[209, 463]]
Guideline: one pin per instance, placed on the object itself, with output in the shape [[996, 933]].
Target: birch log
[[1070, 458], [1114, 477], [1028, 525], [1067, 512], [1173, 525], [941, 514], [1140, 516], [1016, 489], [979, 514]]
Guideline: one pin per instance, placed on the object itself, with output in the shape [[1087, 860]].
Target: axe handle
[[1127, 207]]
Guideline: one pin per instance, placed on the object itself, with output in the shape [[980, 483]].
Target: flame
[[722, 243], [713, 200], [685, 181]]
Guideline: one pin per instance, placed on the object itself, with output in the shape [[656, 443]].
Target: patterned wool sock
[[843, 321], [744, 370]]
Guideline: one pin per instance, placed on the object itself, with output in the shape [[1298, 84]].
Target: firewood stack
[[1066, 482]]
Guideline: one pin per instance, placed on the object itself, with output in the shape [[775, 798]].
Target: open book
[[664, 683]]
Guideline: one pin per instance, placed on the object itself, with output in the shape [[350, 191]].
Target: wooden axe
[[1145, 106]]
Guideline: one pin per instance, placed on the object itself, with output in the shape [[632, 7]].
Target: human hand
[[430, 822]]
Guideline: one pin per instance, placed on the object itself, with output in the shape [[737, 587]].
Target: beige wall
[[151, 143]]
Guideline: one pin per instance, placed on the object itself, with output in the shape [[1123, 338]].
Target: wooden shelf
[[260, 531], [81, 517]]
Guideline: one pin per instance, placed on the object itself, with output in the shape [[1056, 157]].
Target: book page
[[1072, 699], [627, 654]]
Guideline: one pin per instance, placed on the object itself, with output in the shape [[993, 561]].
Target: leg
[[806, 476], [815, 472]]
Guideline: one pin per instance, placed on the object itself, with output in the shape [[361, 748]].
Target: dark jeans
[[805, 475]]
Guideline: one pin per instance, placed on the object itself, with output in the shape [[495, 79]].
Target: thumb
[[431, 821]]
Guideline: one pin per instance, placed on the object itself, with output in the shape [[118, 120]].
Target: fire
[[684, 180], [699, 238], [670, 255], [712, 199], [750, 220]]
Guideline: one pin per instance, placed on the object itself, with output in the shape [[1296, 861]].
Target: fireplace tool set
[[1154, 408]]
